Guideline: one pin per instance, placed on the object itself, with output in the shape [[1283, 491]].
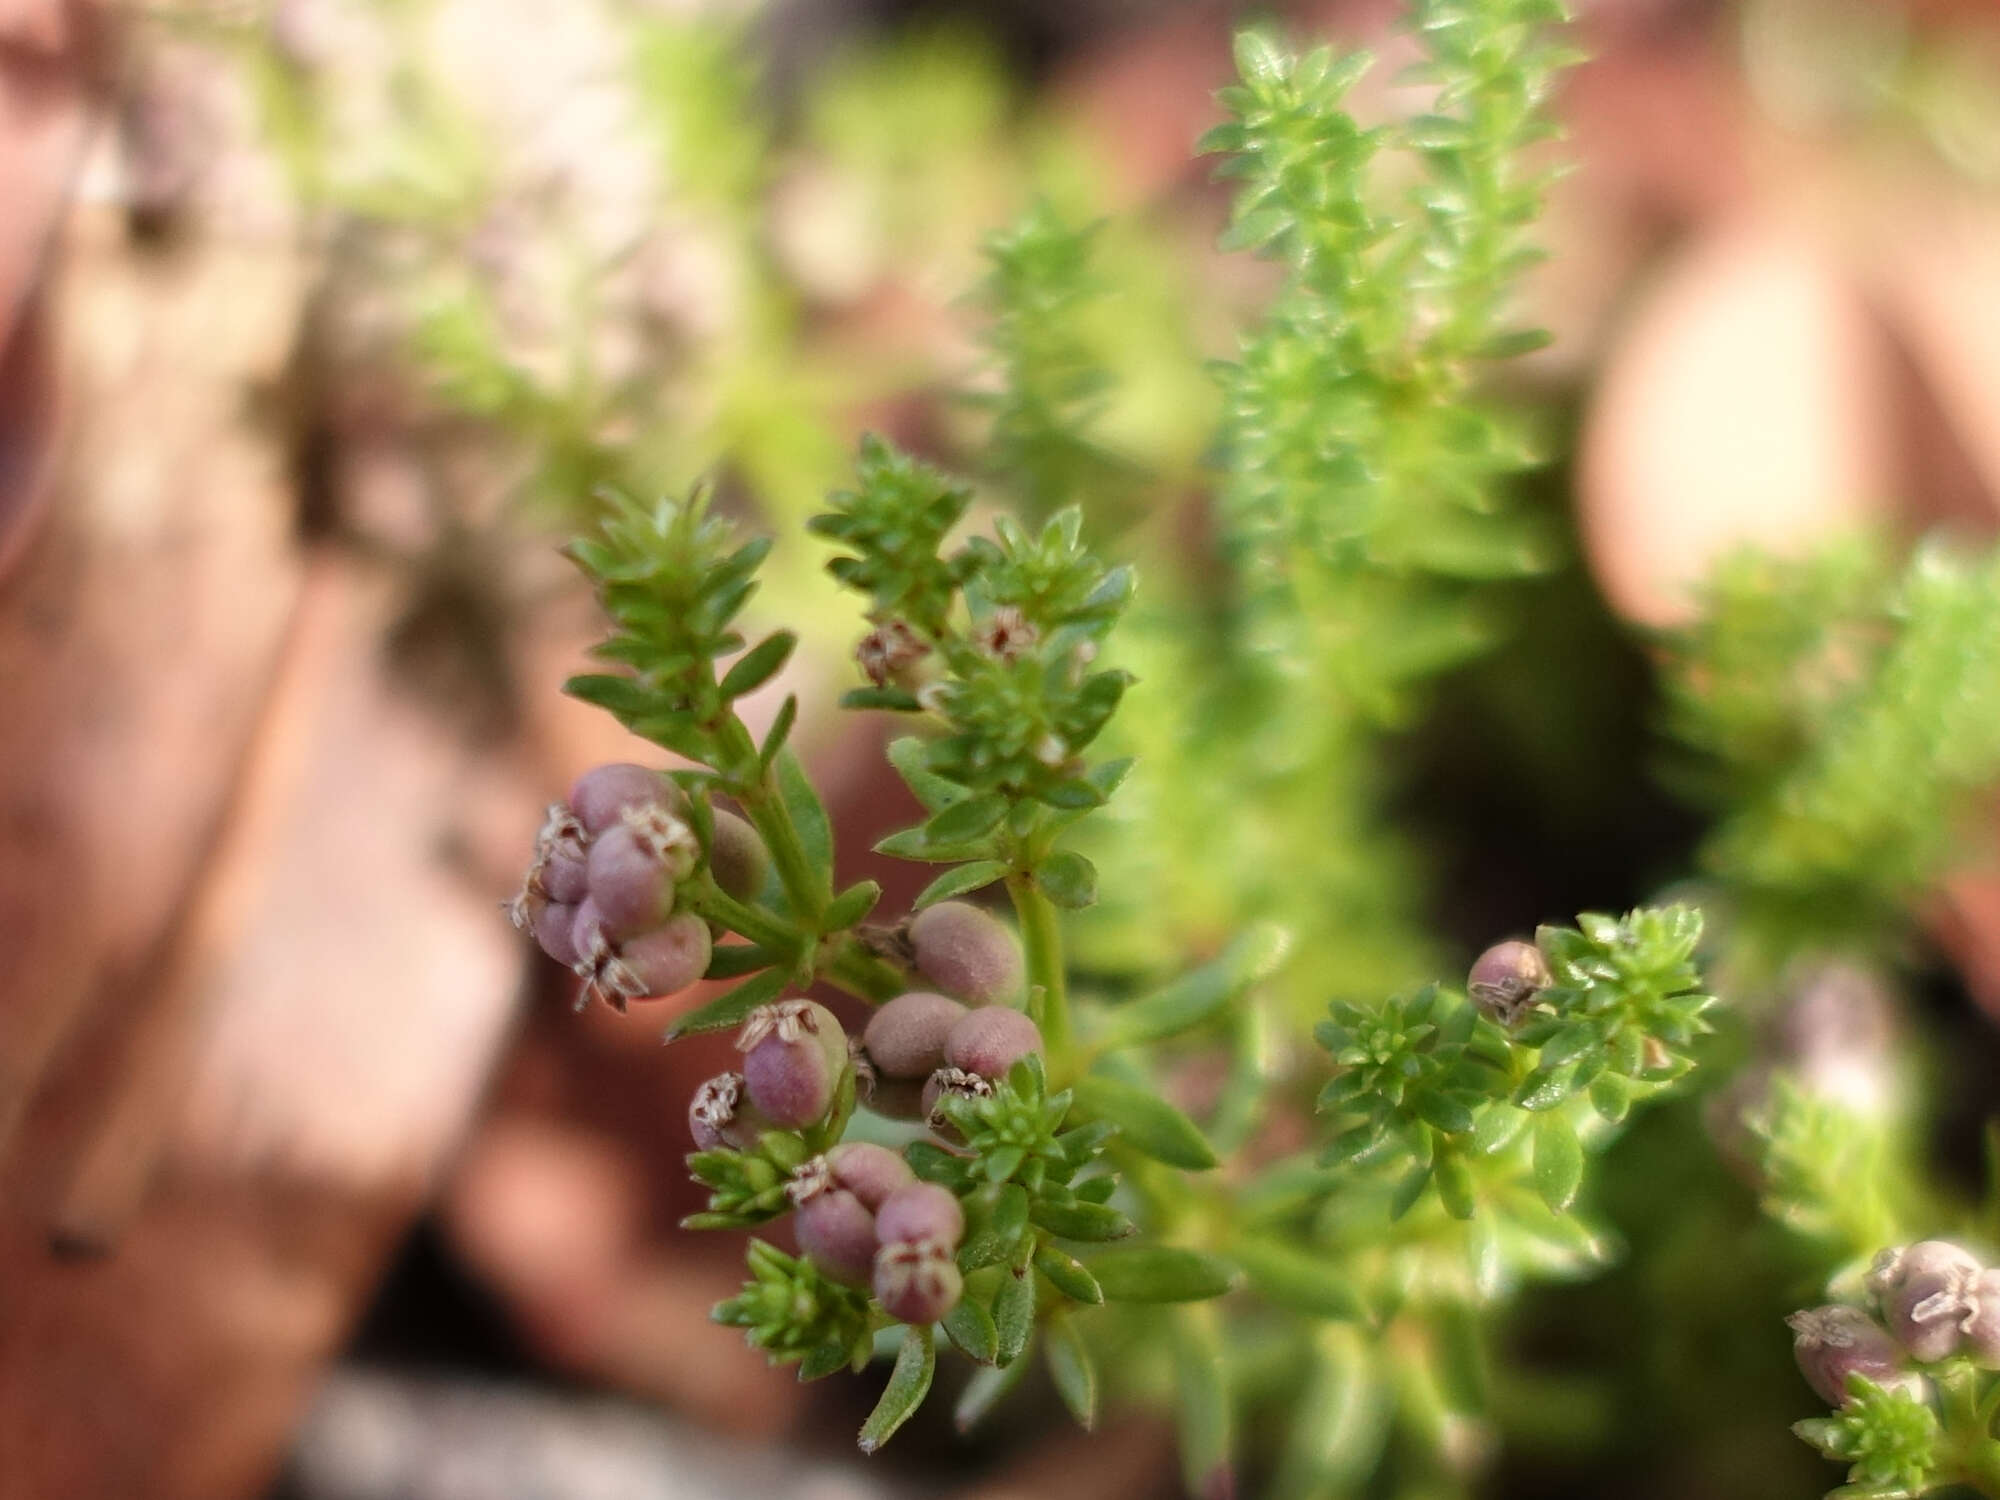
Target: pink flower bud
[[905, 1036], [837, 1233], [1506, 978], [917, 1283], [737, 858], [555, 930], [664, 961], [868, 1171], [967, 952], [566, 877], [1834, 1342], [634, 865], [793, 1053], [602, 794], [1926, 1296], [1982, 1324], [719, 1116], [920, 1211], [990, 1040]]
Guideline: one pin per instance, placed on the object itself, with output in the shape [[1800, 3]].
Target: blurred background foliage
[[1398, 688]]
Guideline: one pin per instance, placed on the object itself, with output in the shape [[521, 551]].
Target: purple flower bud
[[1982, 1324], [737, 858], [1834, 1342], [990, 1040], [905, 1036], [555, 930], [719, 1116], [917, 1283], [566, 877], [967, 952], [920, 1211], [602, 794], [1506, 978], [1926, 1296], [634, 865], [664, 961], [837, 1233], [793, 1053], [950, 1081], [868, 1171], [591, 939]]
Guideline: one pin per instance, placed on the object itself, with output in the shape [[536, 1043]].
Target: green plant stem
[[809, 894], [842, 961], [848, 964], [1041, 934], [761, 927]]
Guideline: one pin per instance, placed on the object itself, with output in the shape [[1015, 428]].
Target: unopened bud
[[967, 952], [837, 1233], [1926, 1296], [793, 1053], [664, 961], [1506, 978], [905, 1036], [737, 857], [602, 794], [555, 930], [1834, 1342], [920, 1211], [868, 1171], [991, 1040], [632, 889], [917, 1283]]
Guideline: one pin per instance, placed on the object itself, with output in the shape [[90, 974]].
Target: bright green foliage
[[1039, 294], [1847, 718], [1842, 1181], [1428, 1085], [894, 523], [797, 1316], [1888, 1437]]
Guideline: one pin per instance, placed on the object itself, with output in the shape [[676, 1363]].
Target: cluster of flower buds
[[601, 893], [922, 1046], [1933, 1301], [864, 1219]]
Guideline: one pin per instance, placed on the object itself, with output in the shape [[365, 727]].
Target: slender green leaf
[[1068, 1275], [908, 1384], [1298, 1281], [1068, 879], [1161, 1273], [970, 1326], [1014, 1313], [1146, 1122], [1192, 999], [727, 1010], [807, 812], [1071, 1368], [1558, 1161], [970, 877], [758, 665]]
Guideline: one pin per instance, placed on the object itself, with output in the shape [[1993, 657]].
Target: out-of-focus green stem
[[1041, 935]]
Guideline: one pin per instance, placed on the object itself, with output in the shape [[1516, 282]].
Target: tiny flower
[[837, 1233], [663, 834], [905, 1036], [967, 952], [890, 652], [1925, 1292], [917, 1283], [1051, 751], [1006, 635], [991, 1040], [1834, 1342], [865, 1077], [1982, 1324], [920, 1211], [868, 1171], [793, 1053], [950, 1081], [1506, 978], [718, 1115], [736, 857], [602, 794]]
